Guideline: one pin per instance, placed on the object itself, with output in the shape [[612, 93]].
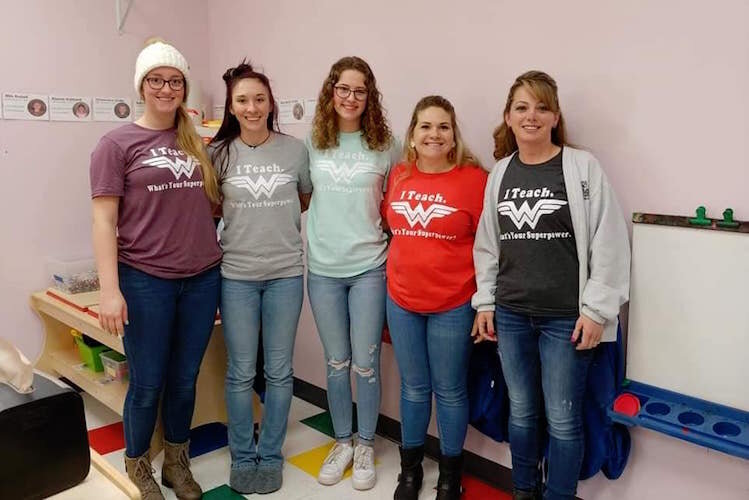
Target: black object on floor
[[44, 446]]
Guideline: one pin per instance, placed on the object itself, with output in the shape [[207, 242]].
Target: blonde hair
[[542, 87], [375, 129], [459, 155], [190, 142]]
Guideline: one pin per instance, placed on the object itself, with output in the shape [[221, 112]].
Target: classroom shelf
[[695, 420], [110, 392], [68, 317], [60, 356]]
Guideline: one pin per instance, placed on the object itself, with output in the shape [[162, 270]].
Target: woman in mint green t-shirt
[[351, 150]]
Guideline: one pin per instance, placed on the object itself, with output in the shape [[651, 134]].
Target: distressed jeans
[[543, 370], [350, 314]]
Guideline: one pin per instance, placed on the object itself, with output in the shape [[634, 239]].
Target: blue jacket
[[607, 444]]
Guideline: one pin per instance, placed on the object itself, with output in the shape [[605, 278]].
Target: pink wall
[[657, 90], [73, 50]]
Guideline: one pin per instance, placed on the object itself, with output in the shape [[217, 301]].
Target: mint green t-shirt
[[344, 226]]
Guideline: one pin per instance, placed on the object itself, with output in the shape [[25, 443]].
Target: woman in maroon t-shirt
[[156, 252]]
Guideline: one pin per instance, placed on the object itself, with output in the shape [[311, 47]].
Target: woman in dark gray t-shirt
[[555, 289], [264, 178]]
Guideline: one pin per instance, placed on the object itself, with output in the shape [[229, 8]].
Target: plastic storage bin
[[73, 276], [90, 350], [115, 365]]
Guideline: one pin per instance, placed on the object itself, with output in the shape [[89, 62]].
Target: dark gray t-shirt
[[261, 238], [538, 266]]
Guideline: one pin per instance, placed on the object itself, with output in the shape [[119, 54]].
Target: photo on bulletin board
[[70, 109], [23, 106], [112, 109]]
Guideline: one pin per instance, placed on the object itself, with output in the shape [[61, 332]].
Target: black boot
[[409, 480], [448, 484], [525, 495]]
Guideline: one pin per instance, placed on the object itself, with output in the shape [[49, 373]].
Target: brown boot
[[175, 473], [141, 474]]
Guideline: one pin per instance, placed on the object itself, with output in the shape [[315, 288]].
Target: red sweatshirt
[[433, 218]]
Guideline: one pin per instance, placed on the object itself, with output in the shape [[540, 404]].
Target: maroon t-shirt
[[165, 227]]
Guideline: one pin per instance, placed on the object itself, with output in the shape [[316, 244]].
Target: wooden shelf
[[72, 318], [59, 356], [69, 365]]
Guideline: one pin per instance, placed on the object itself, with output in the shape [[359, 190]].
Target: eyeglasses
[[343, 92], [157, 83]]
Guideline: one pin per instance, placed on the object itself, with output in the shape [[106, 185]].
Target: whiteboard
[[689, 312]]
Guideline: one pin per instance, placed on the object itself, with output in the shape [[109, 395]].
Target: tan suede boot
[[141, 474], [175, 473]]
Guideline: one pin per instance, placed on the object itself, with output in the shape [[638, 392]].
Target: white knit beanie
[[156, 55]]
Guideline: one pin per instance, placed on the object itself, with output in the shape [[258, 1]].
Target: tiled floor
[[303, 450]]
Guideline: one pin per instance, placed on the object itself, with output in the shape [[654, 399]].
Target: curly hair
[[374, 126], [542, 87], [459, 155]]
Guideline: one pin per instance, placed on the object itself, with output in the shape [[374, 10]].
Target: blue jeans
[[245, 305], [170, 323], [350, 314], [543, 370], [432, 351]]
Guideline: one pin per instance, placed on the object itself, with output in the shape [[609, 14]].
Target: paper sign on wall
[[70, 109], [112, 109], [140, 108], [292, 111], [22, 106], [309, 108], [218, 112]]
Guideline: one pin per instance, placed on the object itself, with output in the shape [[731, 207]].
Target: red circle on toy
[[627, 404]]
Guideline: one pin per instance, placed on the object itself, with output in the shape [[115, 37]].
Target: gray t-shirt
[[261, 238]]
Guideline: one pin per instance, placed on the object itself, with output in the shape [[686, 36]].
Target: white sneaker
[[338, 460], [364, 476]]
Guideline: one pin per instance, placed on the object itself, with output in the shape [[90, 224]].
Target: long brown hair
[[230, 128], [375, 129], [542, 87]]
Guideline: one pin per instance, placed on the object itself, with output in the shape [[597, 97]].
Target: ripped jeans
[[349, 314]]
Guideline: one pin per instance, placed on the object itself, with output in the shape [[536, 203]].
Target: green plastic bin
[[90, 354]]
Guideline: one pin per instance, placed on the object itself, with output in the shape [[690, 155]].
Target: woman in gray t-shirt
[[264, 179]]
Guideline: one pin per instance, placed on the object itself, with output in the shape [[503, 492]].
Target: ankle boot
[[411, 476], [525, 495], [175, 473], [448, 484], [141, 474]]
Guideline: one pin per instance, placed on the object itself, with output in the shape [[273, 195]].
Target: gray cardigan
[[600, 236]]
